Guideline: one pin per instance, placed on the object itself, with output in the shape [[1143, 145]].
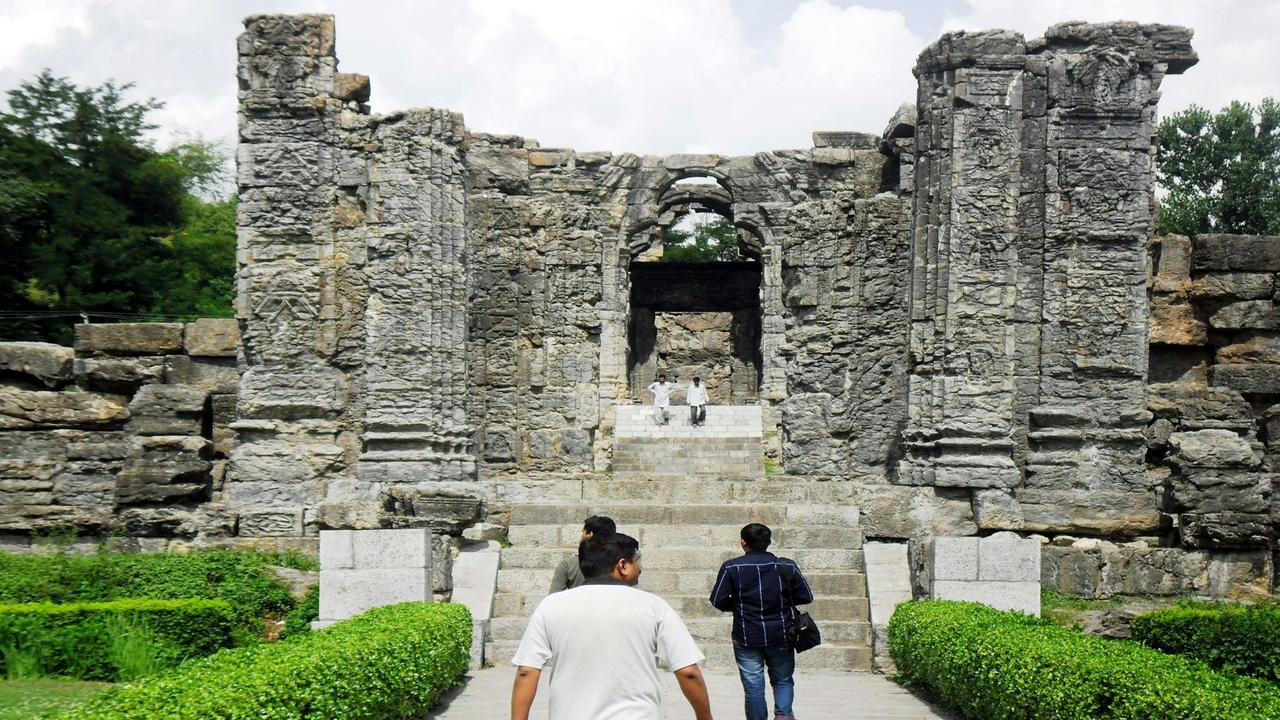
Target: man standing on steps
[[697, 399], [567, 575], [607, 639], [753, 588], [661, 399]]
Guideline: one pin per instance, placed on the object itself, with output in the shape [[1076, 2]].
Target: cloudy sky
[[649, 76]]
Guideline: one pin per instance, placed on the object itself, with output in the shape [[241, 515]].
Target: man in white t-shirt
[[661, 398], [607, 639], [697, 399]]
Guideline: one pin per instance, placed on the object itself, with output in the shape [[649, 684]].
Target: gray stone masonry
[[1002, 571], [960, 326], [364, 569]]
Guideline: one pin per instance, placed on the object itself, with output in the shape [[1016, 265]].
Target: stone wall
[[965, 318], [126, 434]]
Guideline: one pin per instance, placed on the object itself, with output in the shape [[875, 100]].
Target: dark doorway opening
[[697, 318]]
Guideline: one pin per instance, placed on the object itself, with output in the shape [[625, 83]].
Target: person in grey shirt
[[567, 575]]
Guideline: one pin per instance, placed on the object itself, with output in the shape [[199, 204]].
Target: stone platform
[[727, 444]]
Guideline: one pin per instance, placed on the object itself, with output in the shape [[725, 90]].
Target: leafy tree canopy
[[1221, 170], [715, 241], [94, 219]]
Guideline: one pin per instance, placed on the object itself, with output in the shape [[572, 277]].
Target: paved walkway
[[487, 696]]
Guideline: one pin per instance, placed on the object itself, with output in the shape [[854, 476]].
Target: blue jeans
[[781, 662]]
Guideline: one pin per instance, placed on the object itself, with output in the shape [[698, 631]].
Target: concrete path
[[819, 696]]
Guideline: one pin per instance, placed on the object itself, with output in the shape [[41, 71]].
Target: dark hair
[[757, 536], [598, 556], [696, 378], [599, 525], [662, 375]]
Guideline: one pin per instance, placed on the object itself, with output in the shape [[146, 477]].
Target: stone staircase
[[728, 444], [686, 528]]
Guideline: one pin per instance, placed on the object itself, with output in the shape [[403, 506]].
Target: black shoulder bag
[[803, 633]]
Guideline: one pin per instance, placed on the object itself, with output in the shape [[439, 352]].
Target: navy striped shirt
[[751, 587]]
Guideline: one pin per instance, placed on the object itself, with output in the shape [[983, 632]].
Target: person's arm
[[801, 593], [560, 578], [722, 592], [694, 689], [524, 690]]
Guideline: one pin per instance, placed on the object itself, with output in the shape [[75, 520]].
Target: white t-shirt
[[697, 395], [662, 393], [607, 640]]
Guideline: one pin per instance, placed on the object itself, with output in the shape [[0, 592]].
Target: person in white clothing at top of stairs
[[661, 399], [697, 399]]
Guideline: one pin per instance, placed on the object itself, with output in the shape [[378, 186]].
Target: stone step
[[690, 558], [705, 629], [656, 536], [829, 657], [718, 514], [674, 489], [689, 606], [678, 489], [533, 581]]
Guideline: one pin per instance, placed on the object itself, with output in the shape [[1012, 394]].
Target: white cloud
[[642, 75]]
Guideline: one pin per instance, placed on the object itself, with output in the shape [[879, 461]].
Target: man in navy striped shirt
[[753, 588]]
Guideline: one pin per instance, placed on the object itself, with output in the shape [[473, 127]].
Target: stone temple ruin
[[960, 326]]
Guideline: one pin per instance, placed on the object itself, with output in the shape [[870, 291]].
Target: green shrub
[[235, 576], [116, 640], [991, 665], [1236, 638], [391, 662], [299, 619]]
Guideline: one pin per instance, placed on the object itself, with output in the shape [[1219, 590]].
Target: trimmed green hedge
[[116, 640], [1236, 638], [391, 662], [235, 576], [991, 665]]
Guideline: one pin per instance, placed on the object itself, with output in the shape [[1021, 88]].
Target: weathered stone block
[[1021, 597], [269, 523], [996, 510], [1005, 557], [212, 337], [22, 409], [1212, 449], [1197, 407], [119, 375], [1248, 253], [352, 87], [1248, 378], [168, 410], [1259, 349], [1094, 512], [954, 558], [165, 469], [214, 375], [47, 363], [1247, 315], [1175, 322], [347, 593], [1241, 286], [128, 339], [1226, 530]]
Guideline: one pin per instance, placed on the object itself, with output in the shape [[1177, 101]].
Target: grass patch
[[25, 699], [1065, 610]]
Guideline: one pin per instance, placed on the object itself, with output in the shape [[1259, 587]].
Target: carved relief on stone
[[1105, 80], [284, 318]]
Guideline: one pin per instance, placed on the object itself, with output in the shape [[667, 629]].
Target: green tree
[[94, 218], [715, 241], [1221, 170]]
